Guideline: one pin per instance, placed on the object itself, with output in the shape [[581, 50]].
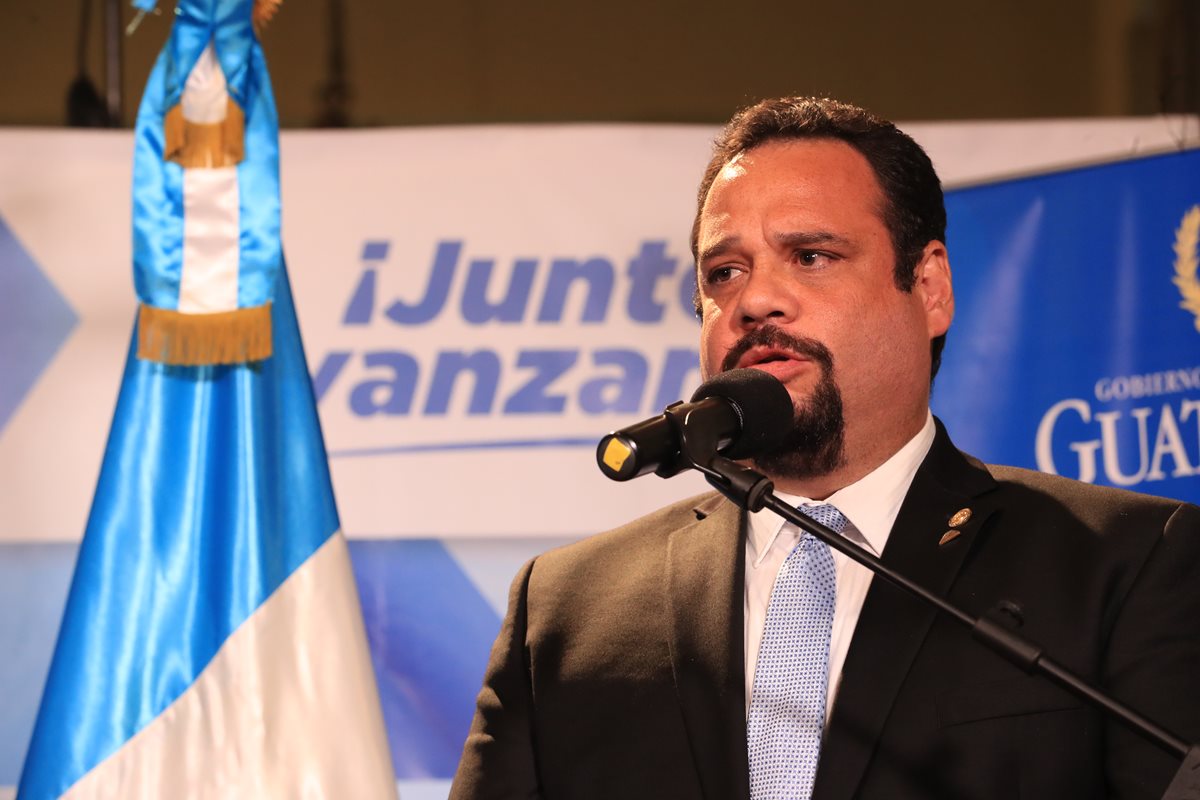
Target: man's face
[[796, 278]]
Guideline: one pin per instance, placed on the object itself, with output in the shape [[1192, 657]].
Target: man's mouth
[[783, 364], [777, 352], [760, 356]]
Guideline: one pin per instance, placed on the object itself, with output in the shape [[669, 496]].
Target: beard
[[815, 445]]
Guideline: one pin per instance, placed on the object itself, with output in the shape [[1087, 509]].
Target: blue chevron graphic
[[33, 590], [430, 632], [35, 320]]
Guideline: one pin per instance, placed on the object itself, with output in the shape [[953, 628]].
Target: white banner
[[479, 305]]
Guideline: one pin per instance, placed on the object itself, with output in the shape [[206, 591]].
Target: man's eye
[[810, 258], [719, 275]]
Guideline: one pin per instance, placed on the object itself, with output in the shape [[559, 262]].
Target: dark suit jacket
[[619, 670]]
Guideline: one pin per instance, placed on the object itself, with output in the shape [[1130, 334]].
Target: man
[[646, 662]]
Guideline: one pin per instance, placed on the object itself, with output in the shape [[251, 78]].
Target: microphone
[[748, 410]]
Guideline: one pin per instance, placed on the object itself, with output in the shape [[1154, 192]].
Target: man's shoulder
[[1048, 500], [1052, 507], [637, 540], [1068, 490]]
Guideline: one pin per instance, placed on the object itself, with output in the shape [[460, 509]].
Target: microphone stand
[[753, 491]]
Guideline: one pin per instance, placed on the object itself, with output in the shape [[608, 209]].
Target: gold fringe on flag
[[205, 145], [225, 337], [262, 13]]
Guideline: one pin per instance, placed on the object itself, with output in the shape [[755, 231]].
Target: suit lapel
[[705, 577], [892, 626]]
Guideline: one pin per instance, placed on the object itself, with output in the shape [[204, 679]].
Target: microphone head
[[762, 402]]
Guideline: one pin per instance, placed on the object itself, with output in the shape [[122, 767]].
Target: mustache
[[772, 336]]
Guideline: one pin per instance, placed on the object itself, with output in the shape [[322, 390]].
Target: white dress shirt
[[871, 505]]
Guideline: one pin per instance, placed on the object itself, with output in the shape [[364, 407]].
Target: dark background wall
[[389, 62]]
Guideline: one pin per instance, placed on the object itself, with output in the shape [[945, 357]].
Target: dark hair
[[914, 212]]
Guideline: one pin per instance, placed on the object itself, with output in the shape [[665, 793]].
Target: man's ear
[[935, 289]]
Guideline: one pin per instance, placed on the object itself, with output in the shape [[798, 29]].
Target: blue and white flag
[[212, 643]]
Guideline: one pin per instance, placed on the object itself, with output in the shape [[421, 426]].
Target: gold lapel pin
[[949, 536], [961, 517]]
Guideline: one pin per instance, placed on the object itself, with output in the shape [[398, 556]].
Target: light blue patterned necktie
[[787, 703]]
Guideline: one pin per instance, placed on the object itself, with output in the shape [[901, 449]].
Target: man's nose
[[767, 296]]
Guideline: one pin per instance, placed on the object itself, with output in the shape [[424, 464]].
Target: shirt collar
[[871, 503]]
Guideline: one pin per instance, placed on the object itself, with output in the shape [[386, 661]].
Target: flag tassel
[[225, 337], [205, 145]]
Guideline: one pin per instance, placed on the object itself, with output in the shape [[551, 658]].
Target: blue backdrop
[[1071, 351]]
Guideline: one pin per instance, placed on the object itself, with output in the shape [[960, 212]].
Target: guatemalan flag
[[212, 643]]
